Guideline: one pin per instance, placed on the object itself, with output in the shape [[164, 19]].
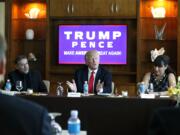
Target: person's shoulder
[[171, 76], [148, 74], [13, 74], [18, 103], [16, 109], [34, 72], [81, 69], [102, 69]]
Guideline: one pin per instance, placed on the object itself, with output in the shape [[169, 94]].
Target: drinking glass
[[19, 86], [55, 127], [60, 89], [141, 88]]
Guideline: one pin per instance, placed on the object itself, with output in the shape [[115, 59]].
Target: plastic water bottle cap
[[74, 113]]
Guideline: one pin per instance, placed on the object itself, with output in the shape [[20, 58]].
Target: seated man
[[18, 116], [99, 79], [30, 79]]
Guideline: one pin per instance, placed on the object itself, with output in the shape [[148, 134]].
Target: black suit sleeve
[[107, 83], [79, 80], [41, 85], [46, 127]]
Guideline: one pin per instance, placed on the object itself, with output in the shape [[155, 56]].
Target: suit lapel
[[85, 76], [97, 78], [29, 80]]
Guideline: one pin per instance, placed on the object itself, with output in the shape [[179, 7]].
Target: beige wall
[[2, 18]]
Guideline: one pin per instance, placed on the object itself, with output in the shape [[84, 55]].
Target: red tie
[[91, 82]]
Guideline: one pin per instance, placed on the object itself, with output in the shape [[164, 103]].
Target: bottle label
[[8, 87], [141, 88], [85, 88], [74, 128]]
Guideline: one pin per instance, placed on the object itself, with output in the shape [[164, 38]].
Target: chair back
[[47, 84], [112, 87]]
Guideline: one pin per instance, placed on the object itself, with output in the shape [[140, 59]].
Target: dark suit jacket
[[105, 76], [21, 117], [31, 80], [165, 121]]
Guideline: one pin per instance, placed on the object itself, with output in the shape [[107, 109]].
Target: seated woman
[[162, 77]]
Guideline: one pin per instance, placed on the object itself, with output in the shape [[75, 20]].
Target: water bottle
[[85, 88], [8, 85], [151, 87], [74, 126]]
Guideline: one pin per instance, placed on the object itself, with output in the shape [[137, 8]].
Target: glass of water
[[55, 127], [19, 85]]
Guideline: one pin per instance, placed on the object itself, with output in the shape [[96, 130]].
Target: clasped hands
[[73, 87]]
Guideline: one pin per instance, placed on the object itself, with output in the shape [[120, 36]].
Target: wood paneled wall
[[135, 13]]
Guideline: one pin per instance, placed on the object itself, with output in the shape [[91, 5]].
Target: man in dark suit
[[165, 121], [94, 74], [18, 116], [30, 78], [21, 117]]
